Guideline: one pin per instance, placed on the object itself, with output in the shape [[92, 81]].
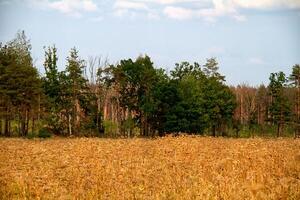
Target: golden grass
[[165, 168]]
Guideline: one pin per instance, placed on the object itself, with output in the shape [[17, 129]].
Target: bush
[[44, 133], [110, 128], [30, 136]]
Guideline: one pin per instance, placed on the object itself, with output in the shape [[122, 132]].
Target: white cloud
[[178, 12], [266, 4], [73, 8], [127, 4], [208, 14], [168, 2], [208, 10], [252, 4], [128, 7]]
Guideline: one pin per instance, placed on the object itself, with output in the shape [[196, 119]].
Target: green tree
[[75, 89], [134, 81], [184, 69], [211, 70], [53, 91], [51, 80], [20, 84], [295, 82], [203, 102], [166, 113], [219, 100], [280, 107], [191, 116], [220, 104]]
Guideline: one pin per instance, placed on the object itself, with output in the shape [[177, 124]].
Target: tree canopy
[[133, 97]]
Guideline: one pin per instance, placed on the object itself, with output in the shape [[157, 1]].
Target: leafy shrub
[[110, 128], [30, 135], [44, 133]]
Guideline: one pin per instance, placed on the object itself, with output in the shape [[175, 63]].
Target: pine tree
[[76, 87], [20, 84], [220, 102]]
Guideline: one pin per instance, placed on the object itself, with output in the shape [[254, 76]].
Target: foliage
[[30, 135], [20, 89], [111, 128], [44, 133], [136, 96], [205, 102], [134, 81], [295, 83], [280, 108]]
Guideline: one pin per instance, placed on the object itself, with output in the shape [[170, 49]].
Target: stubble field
[[165, 168]]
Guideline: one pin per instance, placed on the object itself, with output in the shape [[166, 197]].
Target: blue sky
[[249, 38]]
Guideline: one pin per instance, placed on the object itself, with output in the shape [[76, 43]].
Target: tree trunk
[[9, 128], [146, 128], [142, 125], [39, 108], [100, 124], [27, 122], [20, 124], [33, 124], [1, 127], [6, 127], [237, 132], [6, 123], [69, 125], [278, 129], [241, 108], [298, 111], [214, 130], [23, 121]]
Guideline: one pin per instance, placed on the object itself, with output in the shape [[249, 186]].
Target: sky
[[249, 38]]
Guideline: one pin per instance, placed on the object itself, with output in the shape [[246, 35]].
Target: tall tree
[[166, 98], [51, 80], [75, 88], [280, 107], [134, 81], [53, 91], [20, 83], [189, 113], [219, 100], [262, 104], [295, 81]]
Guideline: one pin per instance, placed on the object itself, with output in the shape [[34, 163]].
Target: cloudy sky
[[249, 38]]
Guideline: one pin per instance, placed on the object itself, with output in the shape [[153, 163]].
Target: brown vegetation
[[164, 168]]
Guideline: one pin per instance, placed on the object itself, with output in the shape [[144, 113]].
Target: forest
[[136, 98]]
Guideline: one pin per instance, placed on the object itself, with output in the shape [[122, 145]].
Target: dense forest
[[135, 98]]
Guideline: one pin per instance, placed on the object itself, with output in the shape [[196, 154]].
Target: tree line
[[135, 98]]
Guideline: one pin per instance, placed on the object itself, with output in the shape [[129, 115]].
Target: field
[[164, 168]]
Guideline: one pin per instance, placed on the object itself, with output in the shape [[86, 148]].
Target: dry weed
[[164, 168]]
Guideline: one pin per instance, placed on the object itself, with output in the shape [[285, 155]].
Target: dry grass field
[[165, 168]]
